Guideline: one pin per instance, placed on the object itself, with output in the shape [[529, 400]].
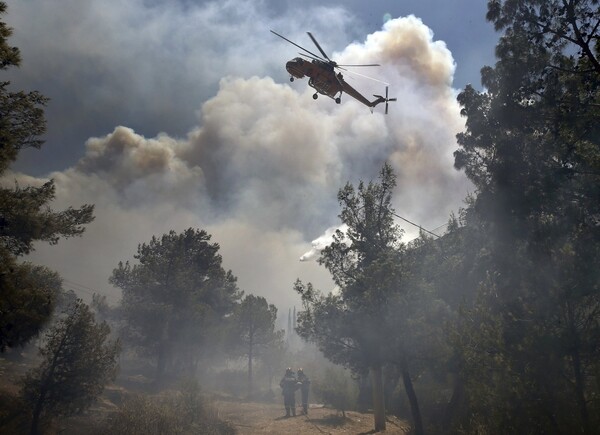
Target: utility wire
[[79, 287], [416, 225]]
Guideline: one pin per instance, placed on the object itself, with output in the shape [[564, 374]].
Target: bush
[[337, 389], [77, 361], [180, 412], [229, 381]]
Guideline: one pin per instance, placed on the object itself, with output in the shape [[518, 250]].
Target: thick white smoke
[[262, 169], [322, 242]]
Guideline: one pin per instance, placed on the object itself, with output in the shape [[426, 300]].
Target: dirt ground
[[257, 418], [248, 418]]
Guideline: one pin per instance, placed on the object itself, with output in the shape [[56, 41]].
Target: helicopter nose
[[294, 69]]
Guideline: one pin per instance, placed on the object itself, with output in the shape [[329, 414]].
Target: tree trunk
[[37, 411], [163, 352], [576, 365], [580, 390], [46, 382], [455, 406], [250, 349], [412, 398], [378, 400], [161, 362]]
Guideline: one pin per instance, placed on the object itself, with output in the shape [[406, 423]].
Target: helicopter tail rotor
[[385, 100]]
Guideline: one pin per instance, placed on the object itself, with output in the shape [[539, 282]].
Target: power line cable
[[417, 225], [80, 287]]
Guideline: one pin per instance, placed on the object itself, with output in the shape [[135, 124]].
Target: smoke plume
[[261, 170]]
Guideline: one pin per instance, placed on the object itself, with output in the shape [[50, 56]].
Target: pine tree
[[366, 266], [77, 362], [253, 329], [25, 215], [531, 147], [176, 298]]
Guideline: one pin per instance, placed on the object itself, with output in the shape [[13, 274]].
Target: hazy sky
[[171, 114]]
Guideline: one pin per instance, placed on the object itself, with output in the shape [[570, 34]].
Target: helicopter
[[323, 78]]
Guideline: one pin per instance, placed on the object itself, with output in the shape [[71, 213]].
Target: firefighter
[[289, 385], [304, 384]]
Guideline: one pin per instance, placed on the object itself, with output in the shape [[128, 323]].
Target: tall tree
[[77, 362], [28, 297], [273, 358], [176, 297], [25, 215], [366, 266], [253, 327], [532, 149], [22, 120]]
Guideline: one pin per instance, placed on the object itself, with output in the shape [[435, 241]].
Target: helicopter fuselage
[[321, 76]]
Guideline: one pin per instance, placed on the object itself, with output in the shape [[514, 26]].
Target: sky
[[175, 114]]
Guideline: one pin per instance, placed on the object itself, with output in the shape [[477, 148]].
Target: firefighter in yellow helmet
[[289, 385], [304, 384]]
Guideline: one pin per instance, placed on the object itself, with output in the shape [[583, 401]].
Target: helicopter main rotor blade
[[362, 64], [318, 46], [364, 76], [300, 47], [320, 59], [336, 65]]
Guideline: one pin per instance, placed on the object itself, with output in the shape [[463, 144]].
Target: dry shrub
[[336, 388], [176, 412]]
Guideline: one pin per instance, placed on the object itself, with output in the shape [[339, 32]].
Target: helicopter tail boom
[[380, 99]]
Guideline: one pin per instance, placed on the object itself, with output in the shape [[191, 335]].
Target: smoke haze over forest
[[245, 155], [236, 227]]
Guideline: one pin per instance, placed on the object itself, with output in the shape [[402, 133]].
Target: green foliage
[[365, 263], [253, 332], [9, 56], [183, 412], [324, 322], [272, 359], [336, 388], [76, 364], [176, 298], [28, 294], [528, 343], [22, 120], [26, 218], [28, 298], [253, 324]]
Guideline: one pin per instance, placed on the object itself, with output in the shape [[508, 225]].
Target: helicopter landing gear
[[315, 96], [338, 100], [291, 79]]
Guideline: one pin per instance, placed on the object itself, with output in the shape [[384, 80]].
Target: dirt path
[[249, 418], [264, 418]]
